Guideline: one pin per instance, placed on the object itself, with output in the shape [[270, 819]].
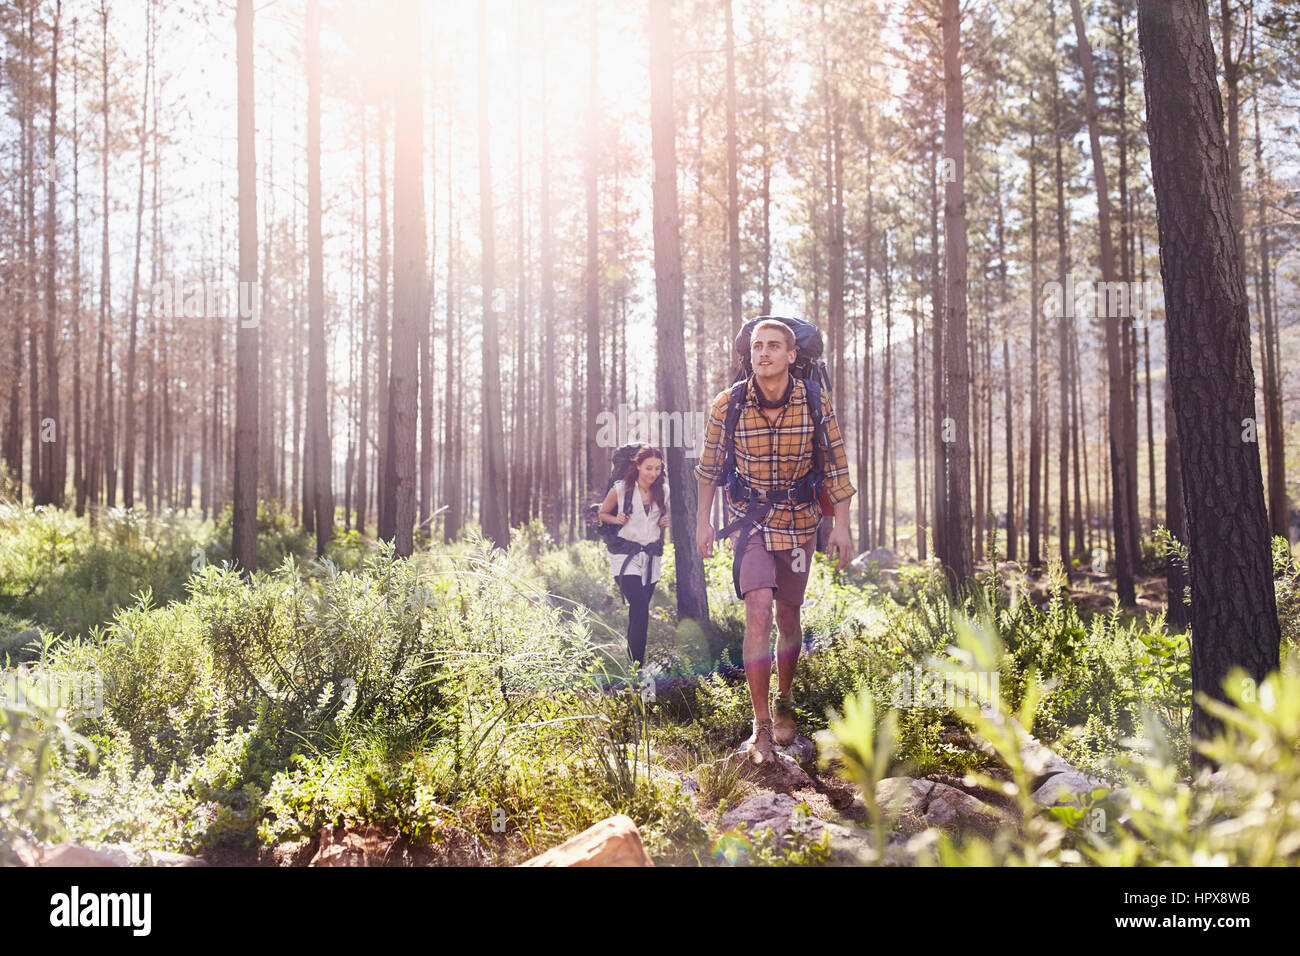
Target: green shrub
[[58, 570]]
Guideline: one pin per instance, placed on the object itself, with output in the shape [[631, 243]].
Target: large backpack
[[619, 462], [811, 369]]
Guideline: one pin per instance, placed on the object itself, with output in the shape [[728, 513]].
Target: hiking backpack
[[808, 366]]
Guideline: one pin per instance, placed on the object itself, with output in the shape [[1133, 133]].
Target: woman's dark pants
[[638, 612]]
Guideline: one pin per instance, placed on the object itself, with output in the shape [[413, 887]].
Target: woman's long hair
[[632, 472]]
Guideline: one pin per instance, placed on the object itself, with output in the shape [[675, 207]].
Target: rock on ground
[[763, 811], [1058, 787], [614, 841], [776, 813], [883, 557], [1039, 760], [122, 854], [802, 751], [928, 803]]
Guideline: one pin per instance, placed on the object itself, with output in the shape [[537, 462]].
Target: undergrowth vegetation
[[483, 698]]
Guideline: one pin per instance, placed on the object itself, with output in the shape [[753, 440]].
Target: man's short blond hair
[[781, 327]]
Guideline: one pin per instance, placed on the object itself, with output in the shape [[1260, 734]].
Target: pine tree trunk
[[78, 411], [386, 517], [1035, 398], [493, 501], [733, 183], [1122, 481], [1278, 509], [1234, 612], [956, 504], [363, 421], [244, 518], [596, 468], [317, 376], [452, 458], [55, 465], [408, 281], [670, 350]]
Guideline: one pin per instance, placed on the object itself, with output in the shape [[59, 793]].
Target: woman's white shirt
[[643, 528]]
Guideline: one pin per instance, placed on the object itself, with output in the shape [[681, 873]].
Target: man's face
[[769, 354]]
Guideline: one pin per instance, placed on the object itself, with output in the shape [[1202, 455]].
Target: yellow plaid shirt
[[774, 457]]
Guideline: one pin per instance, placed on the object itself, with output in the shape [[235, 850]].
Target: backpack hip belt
[[759, 504], [632, 549]]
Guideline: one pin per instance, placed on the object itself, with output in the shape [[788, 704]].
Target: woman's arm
[[608, 508]]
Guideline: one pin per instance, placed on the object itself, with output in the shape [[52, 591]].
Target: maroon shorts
[[784, 571]]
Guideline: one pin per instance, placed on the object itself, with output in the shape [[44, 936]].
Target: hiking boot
[[759, 746], [783, 727]]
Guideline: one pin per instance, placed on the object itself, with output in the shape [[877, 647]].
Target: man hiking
[[764, 443]]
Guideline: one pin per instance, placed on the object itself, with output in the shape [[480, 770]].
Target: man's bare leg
[[789, 642], [757, 649]]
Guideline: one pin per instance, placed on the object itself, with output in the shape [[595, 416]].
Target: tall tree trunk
[[493, 503], [363, 427], [596, 473], [78, 412], [266, 409], [938, 406], [918, 449], [766, 166], [955, 450], [30, 310], [834, 218], [1062, 327], [54, 467], [670, 350], [887, 455], [733, 183], [1279, 511], [427, 333], [408, 280], [1234, 612], [1010, 547], [154, 437], [386, 516], [317, 375], [551, 488], [244, 518], [1231, 84], [1121, 480], [452, 457], [1035, 397], [128, 393], [1129, 333]]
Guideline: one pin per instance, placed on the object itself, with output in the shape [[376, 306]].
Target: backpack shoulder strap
[[627, 496], [735, 403], [821, 441]]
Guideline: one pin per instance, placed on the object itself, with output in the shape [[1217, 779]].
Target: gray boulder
[[883, 557], [849, 845], [763, 811], [1061, 788], [922, 803]]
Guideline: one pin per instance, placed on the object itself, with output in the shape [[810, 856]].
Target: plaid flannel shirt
[[774, 457]]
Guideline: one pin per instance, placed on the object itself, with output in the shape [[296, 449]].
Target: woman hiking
[[637, 570]]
